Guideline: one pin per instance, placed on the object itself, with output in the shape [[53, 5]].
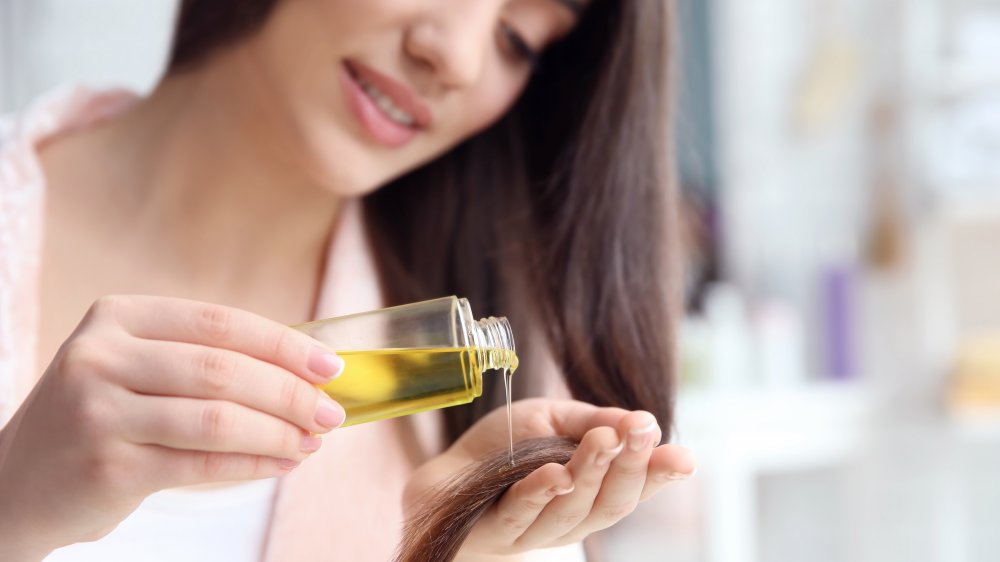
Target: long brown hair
[[560, 216], [453, 508]]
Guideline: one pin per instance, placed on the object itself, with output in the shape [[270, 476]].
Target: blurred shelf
[[775, 429], [739, 434], [976, 423]]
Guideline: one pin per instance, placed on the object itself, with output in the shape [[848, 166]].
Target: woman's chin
[[341, 171]]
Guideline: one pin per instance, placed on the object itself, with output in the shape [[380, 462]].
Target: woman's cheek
[[489, 104], [479, 109]]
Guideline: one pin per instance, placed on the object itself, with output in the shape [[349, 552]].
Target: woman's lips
[[390, 112]]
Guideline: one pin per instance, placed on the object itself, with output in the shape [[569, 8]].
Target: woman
[[308, 158]]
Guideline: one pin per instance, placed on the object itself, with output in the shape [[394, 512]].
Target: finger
[[215, 425], [624, 481], [171, 468], [668, 463], [588, 467], [182, 320], [544, 417], [518, 507], [571, 418], [197, 371]]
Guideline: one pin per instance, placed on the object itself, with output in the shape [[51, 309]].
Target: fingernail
[[604, 457], [287, 464], [638, 437], [329, 414], [310, 444], [557, 491], [325, 363], [637, 443], [680, 475]]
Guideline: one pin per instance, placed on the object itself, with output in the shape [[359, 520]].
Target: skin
[[616, 465], [147, 393]]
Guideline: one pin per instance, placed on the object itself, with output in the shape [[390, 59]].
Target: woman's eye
[[517, 46]]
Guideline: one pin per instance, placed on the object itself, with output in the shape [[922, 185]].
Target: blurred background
[[840, 357]]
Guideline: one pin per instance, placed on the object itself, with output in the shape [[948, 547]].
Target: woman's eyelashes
[[517, 47]]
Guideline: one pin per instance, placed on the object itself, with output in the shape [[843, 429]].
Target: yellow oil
[[387, 383], [507, 380]]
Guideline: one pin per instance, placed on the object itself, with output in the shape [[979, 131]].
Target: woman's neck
[[197, 185]]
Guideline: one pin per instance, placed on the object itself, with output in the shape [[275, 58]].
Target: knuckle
[[217, 323], [257, 466], [615, 512], [84, 355], [533, 504], [570, 519], [538, 421], [279, 344], [217, 421], [97, 470], [631, 471], [101, 467], [216, 368], [93, 422], [213, 465], [105, 307], [289, 396], [291, 444], [514, 523], [590, 479]]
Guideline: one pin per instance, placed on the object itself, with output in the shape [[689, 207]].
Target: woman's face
[[364, 90]]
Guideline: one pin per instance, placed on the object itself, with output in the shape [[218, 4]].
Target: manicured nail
[[604, 457], [329, 414], [557, 491], [287, 464], [325, 363], [310, 444], [639, 437]]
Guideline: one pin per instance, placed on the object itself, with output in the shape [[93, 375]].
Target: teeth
[[386, 104]]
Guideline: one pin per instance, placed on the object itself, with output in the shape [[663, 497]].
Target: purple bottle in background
[[839, 323]]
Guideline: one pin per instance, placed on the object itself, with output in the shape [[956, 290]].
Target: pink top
[[345, 499]]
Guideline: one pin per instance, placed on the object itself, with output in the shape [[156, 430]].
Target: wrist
[[13, 547], [15, 543], [10, 553]]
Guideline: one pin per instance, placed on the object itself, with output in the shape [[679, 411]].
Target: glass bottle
[[411, 358]]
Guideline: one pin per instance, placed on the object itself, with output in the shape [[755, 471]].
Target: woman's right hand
[[151, 393]]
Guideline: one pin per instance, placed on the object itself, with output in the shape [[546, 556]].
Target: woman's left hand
[[615, 467]]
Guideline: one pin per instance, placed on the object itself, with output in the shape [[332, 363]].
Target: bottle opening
[[491, 340], [494, 341]]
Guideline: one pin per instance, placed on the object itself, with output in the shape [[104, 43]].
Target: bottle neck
[[493, 341]]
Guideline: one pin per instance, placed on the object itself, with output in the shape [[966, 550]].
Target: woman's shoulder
[[22, 183], [22, 196], [60, 111]]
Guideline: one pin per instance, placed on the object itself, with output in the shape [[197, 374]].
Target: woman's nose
[[453, 42]]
